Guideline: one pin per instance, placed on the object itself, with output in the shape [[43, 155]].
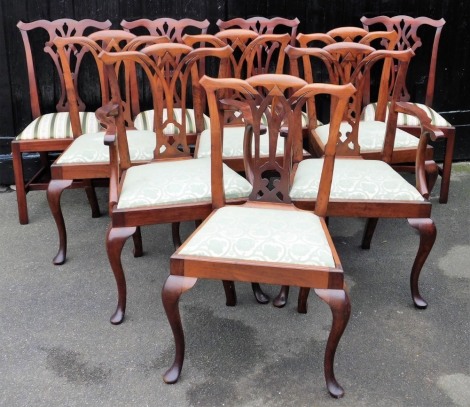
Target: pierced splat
[[262, 25], [168, 27], [56, 28], [407, 29]]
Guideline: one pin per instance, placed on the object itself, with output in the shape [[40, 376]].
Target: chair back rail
[[64, 27]]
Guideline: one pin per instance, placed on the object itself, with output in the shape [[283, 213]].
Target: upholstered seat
[[405, 119], [371, 136], [176, 182], [90, 148], [233, 141], [354, 179], [58, 126], [144, 121], [264, 235]]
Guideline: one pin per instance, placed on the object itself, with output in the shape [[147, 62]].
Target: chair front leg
[[338, 300], [115, 239], [172, 290], [54, 192], [427, 236]]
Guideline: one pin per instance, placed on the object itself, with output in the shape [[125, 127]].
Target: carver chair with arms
[[48, 132], [369, 189], [173, 187], [372, 134], [87, 158], [267, 239], [412, 34]]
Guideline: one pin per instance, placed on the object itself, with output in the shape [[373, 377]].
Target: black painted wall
[[452, 85]]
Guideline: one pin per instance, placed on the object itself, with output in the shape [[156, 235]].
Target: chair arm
[[106, 115], [428, 131], [433, 132]]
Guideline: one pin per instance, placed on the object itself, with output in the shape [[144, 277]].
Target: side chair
[[173, 187], [87, 158], [412, 34], [368, 189], [50, 130], [266, 239]]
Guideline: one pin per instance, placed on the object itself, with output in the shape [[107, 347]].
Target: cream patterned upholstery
[[58, 126], [368, 114], [144, 121], [265, 235], [176, 182], [90, 148], [371, 136], [233, 140], [354, 179], [233, 143]]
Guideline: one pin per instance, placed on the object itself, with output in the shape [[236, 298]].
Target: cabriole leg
[[427, 236], [338, 300], [172, 289], [115, 239], [54, 192]]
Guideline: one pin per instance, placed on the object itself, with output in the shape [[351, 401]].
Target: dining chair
[[174, 187], [50, 129], [87, 158], [267, 239], [413, 33], [363, 188]]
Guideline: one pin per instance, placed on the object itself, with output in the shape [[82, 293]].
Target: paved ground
[[58, 348]]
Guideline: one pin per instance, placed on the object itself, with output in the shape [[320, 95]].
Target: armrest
[[432, 131], [427, 131], [106, 115]]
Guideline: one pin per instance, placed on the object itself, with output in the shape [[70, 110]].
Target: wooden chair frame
[[62, 27], [63, 174], [186, 268], [126, 222], [417, 212], [407, 28]]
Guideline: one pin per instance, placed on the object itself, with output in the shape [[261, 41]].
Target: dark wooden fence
[[452, 86]]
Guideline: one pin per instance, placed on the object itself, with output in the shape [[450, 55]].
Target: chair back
[[167, 27], [170, 71], [32, 36], [73, 53], [347, 62], [281, 100], [263, 25], [408, 37]]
